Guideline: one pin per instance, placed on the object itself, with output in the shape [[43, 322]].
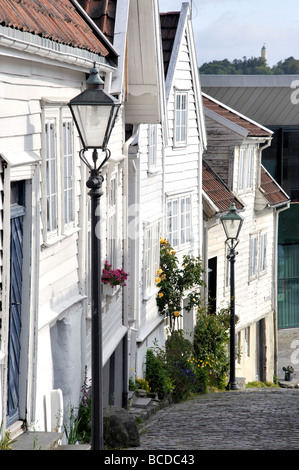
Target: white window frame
[[68, 171], [55, 225], [257, 255], [179, 222], [246, 169], [253, 256], [181, 105], [112, 236], [263, 253], [151, 253], [152, 148]]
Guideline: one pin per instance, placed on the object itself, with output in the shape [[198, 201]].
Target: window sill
[[54, 239], [153, 172]]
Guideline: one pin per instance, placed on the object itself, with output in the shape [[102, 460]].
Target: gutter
[[41, 47]]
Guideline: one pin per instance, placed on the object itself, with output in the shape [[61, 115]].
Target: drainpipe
[[275, 267], [134, 261]]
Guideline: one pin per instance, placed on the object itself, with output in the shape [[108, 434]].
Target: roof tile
[[58, 21], [271, 190], [254, 129], [102, 12], [216, 189]]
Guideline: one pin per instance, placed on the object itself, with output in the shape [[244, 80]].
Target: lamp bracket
[[94, 168], [231, 244]]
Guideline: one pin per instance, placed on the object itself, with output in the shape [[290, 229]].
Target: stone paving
[[254, 419]]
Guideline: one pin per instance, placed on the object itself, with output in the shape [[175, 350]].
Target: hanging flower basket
[[109, 290], [113, 279]]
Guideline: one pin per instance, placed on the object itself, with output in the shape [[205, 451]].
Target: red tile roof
[[271, 191], [102, 12], [52, 19], [254, 129], [169, 22], [216, 189]]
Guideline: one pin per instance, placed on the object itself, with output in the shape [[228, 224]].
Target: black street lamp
[[94, 112], [232, 223]]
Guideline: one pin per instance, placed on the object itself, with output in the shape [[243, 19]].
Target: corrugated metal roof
[[271, 190], [51, 19], [267, 99], [254, 129], [102, 12], [169, 22], [216, 189]]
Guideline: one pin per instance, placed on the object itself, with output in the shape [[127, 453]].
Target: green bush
[[155, 374], [211, 337], [178, 351]]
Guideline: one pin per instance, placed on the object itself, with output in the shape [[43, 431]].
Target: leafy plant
[[5, 440], [84, 412], [71, 431], [211, 337], [143, 384], [155, 374]]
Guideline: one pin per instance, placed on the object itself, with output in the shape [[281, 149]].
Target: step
[[32, 440]]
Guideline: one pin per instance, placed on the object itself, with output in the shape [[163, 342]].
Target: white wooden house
[[45, 58], [135, 32], [233, 173], [164, 173], [186, 141]]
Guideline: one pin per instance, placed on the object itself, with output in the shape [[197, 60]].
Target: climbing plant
[[176, 282]]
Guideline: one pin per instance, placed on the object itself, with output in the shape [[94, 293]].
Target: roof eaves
[[260, 130], [113, 54]]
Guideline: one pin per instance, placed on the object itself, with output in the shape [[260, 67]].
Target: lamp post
[[94, 112], [232, 223]]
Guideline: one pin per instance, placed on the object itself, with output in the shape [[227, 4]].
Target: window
[[68, 171], [180, 125], [263, 248], [51, 174], [246, 168], [179, 220], [152, 147], [151, 256], [58, 172], [112, 221], [258, 249], [253, 256]]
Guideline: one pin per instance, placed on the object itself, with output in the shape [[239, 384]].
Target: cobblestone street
[[255, 419]]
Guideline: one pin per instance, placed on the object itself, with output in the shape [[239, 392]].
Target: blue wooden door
[[14, 344]]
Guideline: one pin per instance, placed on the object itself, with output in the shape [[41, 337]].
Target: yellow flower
[[159, 271], [157, 279], [176, 313], [160, 295]]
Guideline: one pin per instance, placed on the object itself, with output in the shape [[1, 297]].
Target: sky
[[233, 29]]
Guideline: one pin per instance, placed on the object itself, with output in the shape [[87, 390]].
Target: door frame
[[31, 250]]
